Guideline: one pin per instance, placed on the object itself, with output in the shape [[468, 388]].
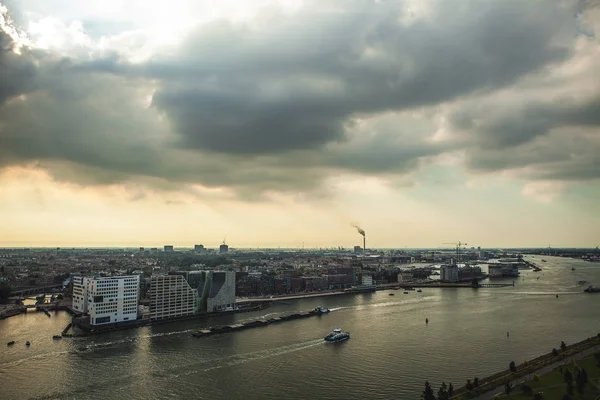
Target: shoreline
[[493, 382]]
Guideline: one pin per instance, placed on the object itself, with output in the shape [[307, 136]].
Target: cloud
[[286, 100]]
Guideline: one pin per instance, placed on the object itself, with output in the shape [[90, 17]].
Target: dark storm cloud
[[16, 73], [295, 84], [277, 105]]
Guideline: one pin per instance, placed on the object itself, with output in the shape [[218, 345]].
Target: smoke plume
[[359, 229]]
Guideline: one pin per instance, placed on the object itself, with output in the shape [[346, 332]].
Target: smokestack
[[362, 232]]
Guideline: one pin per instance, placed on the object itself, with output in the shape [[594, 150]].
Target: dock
[[254, 324]]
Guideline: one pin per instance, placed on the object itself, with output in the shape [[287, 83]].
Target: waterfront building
[[168, 248], [106, 299], [171, 296], [405, 276], [187, 292], [470, 272], [449, 273], [80, 293]]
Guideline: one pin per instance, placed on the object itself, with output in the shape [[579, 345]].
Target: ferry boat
[[322, 310], [337, 336]]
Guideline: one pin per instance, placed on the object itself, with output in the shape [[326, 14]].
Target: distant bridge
[[35, 290]]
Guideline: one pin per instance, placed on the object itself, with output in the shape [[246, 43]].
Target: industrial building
[[449, 273], [106, 299]]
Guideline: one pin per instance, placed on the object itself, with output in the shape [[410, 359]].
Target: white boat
[[337, 336], [322, 310]]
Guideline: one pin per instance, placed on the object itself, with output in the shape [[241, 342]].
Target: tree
[[512, 367], [554, 352], [569, 380], [450, 390], [428, 392], [563, 346], [443, 392], [469, 385], [476, 382], [566, 397], [538, 396], [597, 357], [581, 380], [507, 388], [527, 390]]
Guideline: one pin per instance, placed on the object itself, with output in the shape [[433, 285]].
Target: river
[[390, 354]]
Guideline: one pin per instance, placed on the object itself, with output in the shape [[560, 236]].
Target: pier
[[254, 324]]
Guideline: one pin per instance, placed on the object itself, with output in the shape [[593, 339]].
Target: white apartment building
[[80, 293], [171, 296], [107, 299]]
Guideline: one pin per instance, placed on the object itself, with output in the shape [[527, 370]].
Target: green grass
[[553, 386]]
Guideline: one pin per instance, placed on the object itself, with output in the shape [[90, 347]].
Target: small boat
[[581, 282], [10, 343], [405, 292], [592, 289], [27, 343], [426, 320], [543, 260], [391, 294], [419, 291], [321, 310], [56, 337], [337, 336], [573, 269]]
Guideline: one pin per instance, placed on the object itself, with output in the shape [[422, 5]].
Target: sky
[[284, 122]]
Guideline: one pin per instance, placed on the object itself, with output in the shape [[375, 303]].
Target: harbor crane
[[458, 246]]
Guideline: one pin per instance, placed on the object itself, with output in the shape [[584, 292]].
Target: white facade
[[405, 276], [367, 280], [80, 293], [449, 273], [171, 296], [107, 299]]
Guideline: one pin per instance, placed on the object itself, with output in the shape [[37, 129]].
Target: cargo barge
[[256, 323]]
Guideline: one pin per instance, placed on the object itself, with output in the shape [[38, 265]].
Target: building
[[449, 273], [199, 248], [187, 292], [107, 300], [405, 276], [80, 293], [216, 291], [168, 248], [223, 249], [171, 296]]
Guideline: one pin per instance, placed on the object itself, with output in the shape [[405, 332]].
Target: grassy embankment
[[552, 385]]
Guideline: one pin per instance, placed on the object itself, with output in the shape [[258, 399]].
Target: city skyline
[[282, 123]]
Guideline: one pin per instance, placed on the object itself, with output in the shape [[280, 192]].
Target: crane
[[458, 245]]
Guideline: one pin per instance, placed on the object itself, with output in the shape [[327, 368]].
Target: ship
[[337, 336], [592, 289]]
